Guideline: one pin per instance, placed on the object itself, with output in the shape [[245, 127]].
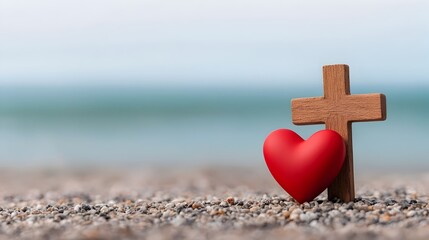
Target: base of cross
[[337, 109]]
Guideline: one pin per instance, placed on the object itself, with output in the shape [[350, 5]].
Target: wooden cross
[[338, 109]]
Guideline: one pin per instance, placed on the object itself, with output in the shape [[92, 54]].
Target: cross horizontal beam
[[351, 108]]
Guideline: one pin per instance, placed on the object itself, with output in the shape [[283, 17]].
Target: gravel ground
[[203, 204]]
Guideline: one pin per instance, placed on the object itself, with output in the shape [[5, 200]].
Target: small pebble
[[197, 205], [230, 200], [77, 208], [411, 213], [104, 209]]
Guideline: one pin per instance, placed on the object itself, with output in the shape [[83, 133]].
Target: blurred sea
[[131, 126]]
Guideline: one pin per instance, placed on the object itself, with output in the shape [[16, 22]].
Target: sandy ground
[[210, 203]]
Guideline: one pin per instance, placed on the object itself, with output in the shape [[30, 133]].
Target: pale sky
[[214, 42]]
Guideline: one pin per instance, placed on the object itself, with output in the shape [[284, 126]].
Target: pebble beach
[[210, 203]]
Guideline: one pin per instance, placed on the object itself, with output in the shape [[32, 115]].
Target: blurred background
[[105, 83]]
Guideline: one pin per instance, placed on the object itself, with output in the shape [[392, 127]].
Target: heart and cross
[[304, 169]]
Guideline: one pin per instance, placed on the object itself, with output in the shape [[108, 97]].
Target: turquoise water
[[145, 126]]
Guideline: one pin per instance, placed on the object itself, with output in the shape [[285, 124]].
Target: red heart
[[304, 169]]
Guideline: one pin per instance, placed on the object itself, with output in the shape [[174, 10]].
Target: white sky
[[212, 41]]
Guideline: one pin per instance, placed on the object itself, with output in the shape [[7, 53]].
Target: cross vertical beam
[[337, 109], [336, 85], [336, 81]]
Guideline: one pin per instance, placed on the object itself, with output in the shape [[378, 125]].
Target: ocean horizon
[[82, 126]]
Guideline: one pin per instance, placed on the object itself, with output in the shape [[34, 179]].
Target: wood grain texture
[[337, 109]]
